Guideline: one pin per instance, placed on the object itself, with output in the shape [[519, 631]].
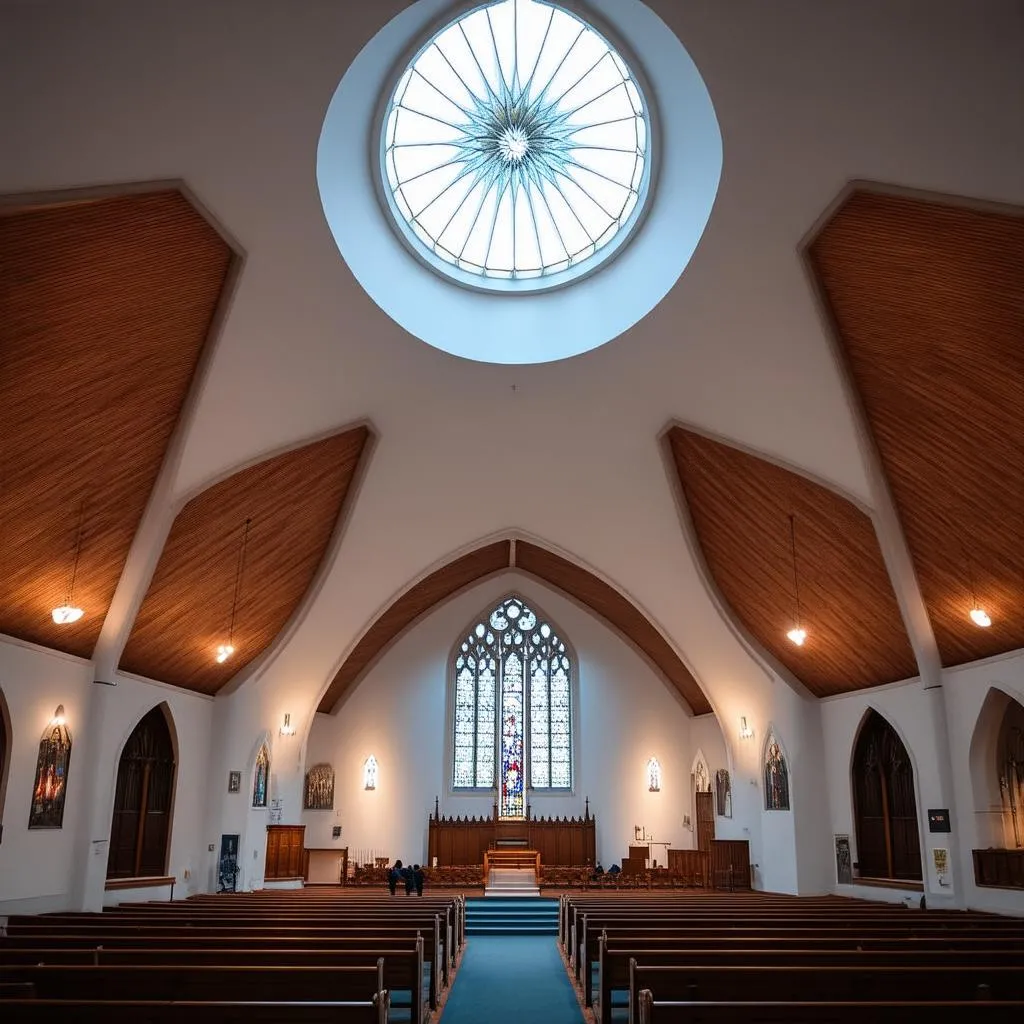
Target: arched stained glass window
[[262, 778], [516, 147], [513, 707]]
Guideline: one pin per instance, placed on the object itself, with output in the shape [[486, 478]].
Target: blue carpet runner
[[513, 979], [508, 915]]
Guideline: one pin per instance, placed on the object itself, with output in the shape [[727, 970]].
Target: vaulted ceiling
[[292, 503], [740, 507], [927, 298], [105, 307], [534, 560]]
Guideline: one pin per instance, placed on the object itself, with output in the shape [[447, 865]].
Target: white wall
[[36, 865], [49, 869], [625, 715]]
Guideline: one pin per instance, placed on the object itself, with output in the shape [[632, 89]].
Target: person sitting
[[393, 875], [614, 869], [417, 875], [598, 872]]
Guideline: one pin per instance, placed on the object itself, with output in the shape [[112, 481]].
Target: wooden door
[[705, 820]]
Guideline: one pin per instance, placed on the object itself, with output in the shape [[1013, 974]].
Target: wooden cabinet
[[285, 852]]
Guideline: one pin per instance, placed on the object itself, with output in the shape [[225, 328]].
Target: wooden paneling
[[740, 507], [730, 864], [418, 599], [535, 561], [692, 865], [104, 309], [1003, 869], [618, 611], [928, 303], [561, 842], [294, 501]]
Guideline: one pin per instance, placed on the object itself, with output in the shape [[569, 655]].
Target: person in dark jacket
[[417, 874], [393, 875], [409, 879]]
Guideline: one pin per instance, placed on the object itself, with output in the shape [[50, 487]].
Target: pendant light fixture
[[978, 615], [797, 634], [69, 612], [224, 651]]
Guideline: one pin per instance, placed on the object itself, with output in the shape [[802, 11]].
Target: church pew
[[402, 970], [105, 1011], [613, 969], [754, 938], [756, 983], [201, 983], [653, 1011], [185, 938]]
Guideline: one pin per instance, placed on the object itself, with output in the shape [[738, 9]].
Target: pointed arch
[[701, 773], [997, 771], [513, 678], [140, 828], [884, 802], [776, 773], [6, 746]]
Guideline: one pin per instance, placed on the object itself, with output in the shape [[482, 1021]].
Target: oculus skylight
[[516, 148]]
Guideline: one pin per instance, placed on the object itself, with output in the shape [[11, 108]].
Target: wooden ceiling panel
[[928, 303], [617, 610], [417, 600], [535, 561], [740, 507], [294, 501], [105, 305]]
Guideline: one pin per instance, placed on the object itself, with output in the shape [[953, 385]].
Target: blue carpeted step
[[511, 916]]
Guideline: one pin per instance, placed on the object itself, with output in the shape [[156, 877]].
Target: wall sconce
[[58, 717], [287, 729], [370, 773], [746, 732], [653, 776]]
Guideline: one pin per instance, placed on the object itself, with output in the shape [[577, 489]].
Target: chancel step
[[511, 915]]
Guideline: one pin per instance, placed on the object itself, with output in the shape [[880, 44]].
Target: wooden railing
[[511, 859]]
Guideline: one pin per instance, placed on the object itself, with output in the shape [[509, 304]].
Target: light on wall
[[224, 651], [746, 732], [287, 729], [58, 717], [370, 773], [653, 776], [68, 612], [797, 634]]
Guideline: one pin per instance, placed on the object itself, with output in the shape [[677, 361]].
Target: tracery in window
[[262, 777], [776, 776], [513, 680]]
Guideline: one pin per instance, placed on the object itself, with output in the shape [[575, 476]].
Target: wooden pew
[[613, 971], [105, 1011], [935, 1012], [805, 983]]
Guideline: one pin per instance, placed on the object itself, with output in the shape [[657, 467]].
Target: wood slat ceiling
[[294, 501], [617, 610], [416, 601], [740, 507], [533, 560], [928, 304], [105, 306]]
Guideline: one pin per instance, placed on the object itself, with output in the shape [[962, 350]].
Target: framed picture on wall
[[234, 782]]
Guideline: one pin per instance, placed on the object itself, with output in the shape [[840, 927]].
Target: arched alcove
[[884, 803], [6, 743], [140, 829], [997, 772]]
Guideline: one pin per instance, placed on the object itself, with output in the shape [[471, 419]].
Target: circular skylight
[[516, 148]]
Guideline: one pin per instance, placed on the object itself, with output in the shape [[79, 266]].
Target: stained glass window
[[776, 776], [259, 785], [516, 146], [513, 707], [654, 775], [51, 774]]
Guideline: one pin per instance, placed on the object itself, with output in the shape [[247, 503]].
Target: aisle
[[511, 979]]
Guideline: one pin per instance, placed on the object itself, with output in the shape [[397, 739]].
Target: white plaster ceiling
[[229, 97]]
